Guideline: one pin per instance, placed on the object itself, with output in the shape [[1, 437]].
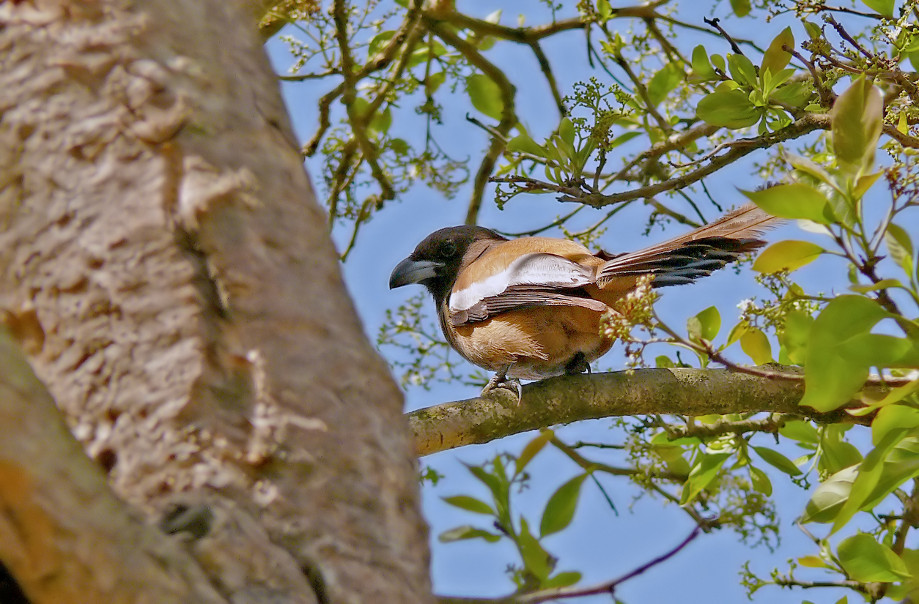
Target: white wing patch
[[546, 270]]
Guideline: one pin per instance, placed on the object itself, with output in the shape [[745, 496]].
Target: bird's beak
[[412, 271]]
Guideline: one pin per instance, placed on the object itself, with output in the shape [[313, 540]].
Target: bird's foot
[[500, 380], [577, 364]]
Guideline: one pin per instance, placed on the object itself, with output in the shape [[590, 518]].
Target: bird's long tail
[[695, 254]]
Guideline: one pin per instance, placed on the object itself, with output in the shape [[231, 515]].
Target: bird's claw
[[502, 381]]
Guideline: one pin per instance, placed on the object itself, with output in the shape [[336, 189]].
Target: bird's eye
[[447, 249]]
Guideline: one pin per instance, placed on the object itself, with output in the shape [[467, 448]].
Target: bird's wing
[[533, 279], [520, 297], [695, 254]]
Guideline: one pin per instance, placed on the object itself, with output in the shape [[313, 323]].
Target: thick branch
[[63, 533], [573, 398]]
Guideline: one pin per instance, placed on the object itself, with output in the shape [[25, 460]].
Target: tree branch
[[568, 399], [798, 128], [508, 113], [607, 587]]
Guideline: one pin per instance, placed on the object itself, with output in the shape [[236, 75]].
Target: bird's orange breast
[[537, 342]]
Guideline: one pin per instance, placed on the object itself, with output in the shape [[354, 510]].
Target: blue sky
[[600, 543]]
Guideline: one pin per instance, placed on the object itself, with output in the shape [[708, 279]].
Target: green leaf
[[813, 562], [771, 80], [491, 481], [900, 247], [563, 579], [801, 431], [873, 287], [425, 52], [522, 143], [809, 167], [535, 558], [869, 475], [705, 324], [900, 464], [857, 117], [894, 396], [842, 209], [701, 67], [793, 93], [837, 452], [738, 331], [742, 70], [755, 343], [702, 475], [829, 496], [673, 457], [813, 30], [775, 59], [566, 131], [624, 138], [381, 121], [891, 418], [865, 560], [793, 200], [663, 362], [777, 460], [485, 95], [663, 82], [379, 41], [561, 505], [399, 146], [865, 182], [433, 82], [532, 449], [727, 108], [741, 8], [760, 481], [879, 350], [467, 532], [795, 335], [470, 504], [786, 256], [830, 380], [604, 9], [498, 484], [884, 7]]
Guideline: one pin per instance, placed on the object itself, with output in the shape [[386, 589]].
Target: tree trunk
[[166, 268]]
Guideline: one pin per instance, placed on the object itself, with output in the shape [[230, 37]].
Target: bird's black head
[[437, 260]]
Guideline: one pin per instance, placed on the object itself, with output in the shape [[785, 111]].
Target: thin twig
[[642, 90], [608, 587], [826, 96], [508, 112], [308, 76], [770, 425], [349, 94], [716, 23], [677, 141], [845, 36], [796, 129], [380, 61]]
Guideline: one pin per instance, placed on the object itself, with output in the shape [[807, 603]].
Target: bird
[[532, 307]]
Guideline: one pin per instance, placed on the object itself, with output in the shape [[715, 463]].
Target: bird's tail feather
[[694, 254]]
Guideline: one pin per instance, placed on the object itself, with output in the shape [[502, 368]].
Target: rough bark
[[641, 392], [63, 533], [165, 265]]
